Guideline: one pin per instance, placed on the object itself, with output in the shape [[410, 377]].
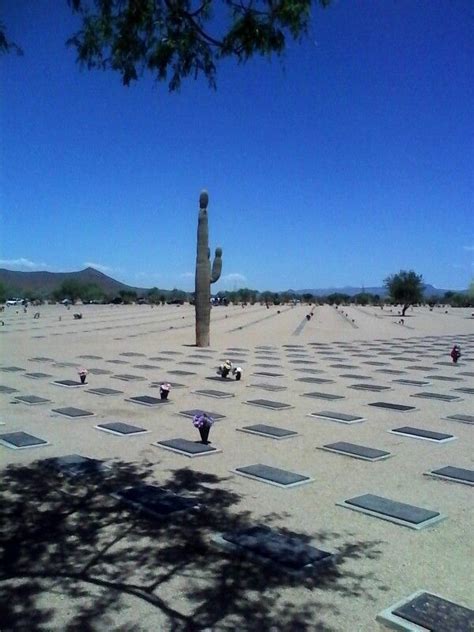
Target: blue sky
[[349, 159]]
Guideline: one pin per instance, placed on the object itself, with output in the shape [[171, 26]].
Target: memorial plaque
[[155, 501], [268, 387], [465, 389], [268, 374], [355, 376], [340, 417], [172, 384], [192, 363], [356, 451], [131, 354], [31, 399], [436, 614], [444, 378], [314, 380], [289, 552], [146, 367], [442, 398], [212, 393], [417, 367], [104, 391], [389, 406], [38, 375], [147, 400], [376, 388], [120, 428], [174, 353], [7, 389], [67, 383], [412, 382], [273, 475], [179, 372], [186, 447], [99, 372], [343, 366], [41, 359], [454, 474], [20, 440], [465, 419], [421, 433], [269, 366], [271, 432], [303, 362], [75, 465], [127, 377], [11, 369], [393, 511], [466, 373], [197, 411], [66, 364], [310, 371], [319, 395], [70, 411], [390, 371], [268, 403], [117, 362], [90, 357], [374, 363]]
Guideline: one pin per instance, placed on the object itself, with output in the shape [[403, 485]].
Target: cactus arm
[[217, 266]]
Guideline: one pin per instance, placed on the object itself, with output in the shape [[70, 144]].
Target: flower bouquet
[[165, 388], [82, 375], [203, 422]]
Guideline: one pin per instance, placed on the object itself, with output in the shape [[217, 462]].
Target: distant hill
[[17, 283], [429, 290]]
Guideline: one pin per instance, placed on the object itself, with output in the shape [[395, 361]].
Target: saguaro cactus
[[204, 275]]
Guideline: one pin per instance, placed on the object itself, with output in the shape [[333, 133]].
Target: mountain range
[[17, 283]]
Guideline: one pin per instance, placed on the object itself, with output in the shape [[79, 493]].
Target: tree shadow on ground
[[70, 549]]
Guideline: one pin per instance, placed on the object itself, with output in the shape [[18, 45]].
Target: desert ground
[[75, 556]]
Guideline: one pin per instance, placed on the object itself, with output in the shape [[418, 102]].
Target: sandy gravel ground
[[74, 558]]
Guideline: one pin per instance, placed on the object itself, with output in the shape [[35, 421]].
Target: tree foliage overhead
[[405, 287], [175, 39]]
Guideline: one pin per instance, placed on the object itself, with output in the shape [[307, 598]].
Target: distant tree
[[3, 293], [154, 296], [470, 290], [405, 288], [92, 292], [70, 289], [362, 298], [337, 298], [308, 297], [128, 296]]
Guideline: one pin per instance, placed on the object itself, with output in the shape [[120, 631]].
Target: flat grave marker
[[41, 359], [147, 400], [421, 433], [268, 403], [187, 448], [268, 387], [72, 412], [376, 388], [444, 378], [453, 474], [355, 376], [121, 429], [90, 357], [154, 501], [7, 389], [127, 377], [75, 465], [465, 389], [356, 451], [11, 369], [104, 391], [67, 383], [289, 553], [99, 372], [31, 399], [462, 418], [267, 374], [37, 375], [427, 611], [342, 418], [319, 395], [131, 354], [402, 408], [180, 372], [314, 380], [438, 396], [21, 440], [393, 511], [412, 382], [197, 411], [271, 432], [273, 475], [213, 393]]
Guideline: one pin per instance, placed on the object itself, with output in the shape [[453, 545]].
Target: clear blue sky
[[348, 160]]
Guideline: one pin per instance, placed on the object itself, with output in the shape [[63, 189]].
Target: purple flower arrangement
[[202, 420]]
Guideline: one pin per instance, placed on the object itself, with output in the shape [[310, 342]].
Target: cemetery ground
[[338, 480]]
